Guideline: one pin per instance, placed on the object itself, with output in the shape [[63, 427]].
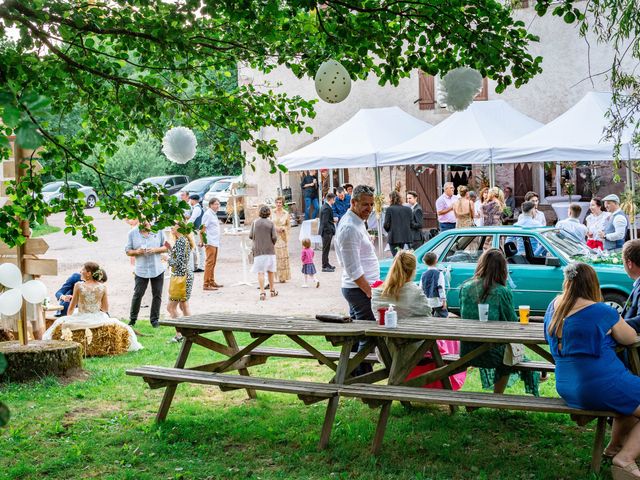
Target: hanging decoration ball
[[333, 82], [458, 88], [11, 302], [10, 275], [34, 291], [179, 145]]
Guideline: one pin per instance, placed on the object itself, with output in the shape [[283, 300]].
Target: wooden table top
[[410, 328]]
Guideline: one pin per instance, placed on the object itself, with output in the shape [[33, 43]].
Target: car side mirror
[[552, 262]]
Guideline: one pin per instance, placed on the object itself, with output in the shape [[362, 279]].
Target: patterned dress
[[282, 220], [492, 213], [464, 210], [181, 266], [501, 309]]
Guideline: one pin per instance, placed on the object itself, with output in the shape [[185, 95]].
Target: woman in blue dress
[[583, 333]]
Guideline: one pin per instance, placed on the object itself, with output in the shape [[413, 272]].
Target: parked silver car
[[222, 191], [53, 190]]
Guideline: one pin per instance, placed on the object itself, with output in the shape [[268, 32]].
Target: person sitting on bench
[[66, 292]]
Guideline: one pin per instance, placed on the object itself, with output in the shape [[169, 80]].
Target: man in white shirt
[[572, 225], [357, 254], [196, 218], [210, 234], [615, 228], [538, 215], [444, 208]]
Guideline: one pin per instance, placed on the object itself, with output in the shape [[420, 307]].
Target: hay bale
[[39, 358], [103, 341]]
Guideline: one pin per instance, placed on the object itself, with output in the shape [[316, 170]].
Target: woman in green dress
[[489, 286]]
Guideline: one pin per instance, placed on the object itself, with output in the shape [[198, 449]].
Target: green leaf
[[569, 17], [11, 116], [27, 136]]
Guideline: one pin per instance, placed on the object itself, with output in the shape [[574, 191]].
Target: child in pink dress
[[308, 268]]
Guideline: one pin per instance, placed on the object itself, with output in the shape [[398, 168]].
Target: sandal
[[274, 293], [609, 454], [624, 473], [263, 296]]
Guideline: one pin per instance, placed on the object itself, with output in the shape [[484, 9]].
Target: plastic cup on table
[[483, 312], [524, 311]]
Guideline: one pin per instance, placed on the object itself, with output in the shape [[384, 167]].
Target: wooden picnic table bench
[[400, 350]]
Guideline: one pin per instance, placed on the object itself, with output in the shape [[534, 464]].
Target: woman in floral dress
[[492, 210], [282, 221], [464, 208], [179, 256]]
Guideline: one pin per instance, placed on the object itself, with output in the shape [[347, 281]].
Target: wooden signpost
[[25, 257]]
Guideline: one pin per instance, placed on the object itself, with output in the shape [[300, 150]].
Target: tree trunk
[[39, 358]]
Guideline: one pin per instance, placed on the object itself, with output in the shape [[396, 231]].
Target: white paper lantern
[[11, 302], [10, 275], [333, 83], [179, 145], [34, 291], [458, 88]]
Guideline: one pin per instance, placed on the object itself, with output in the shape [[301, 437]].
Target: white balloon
[[34, 291], [458, 88], [333, 83], [10, 275], [11, 302], [179, 145]]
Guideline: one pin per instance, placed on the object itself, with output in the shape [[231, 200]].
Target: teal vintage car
[[536, 258]]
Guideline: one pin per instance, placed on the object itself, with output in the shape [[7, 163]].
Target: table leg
[[446, 381], [634, 360], [598, 444], [332, 406], [381, 428], [231, 341], [170, 391]]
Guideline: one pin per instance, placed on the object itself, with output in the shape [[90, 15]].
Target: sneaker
[[328, 269], [317, 283], [198, 270], [132, 323], [155, 324], [176, 339], [304, 285]]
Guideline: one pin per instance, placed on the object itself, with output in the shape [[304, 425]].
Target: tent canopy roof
[[576, 135], [356, 142], [464, 137]]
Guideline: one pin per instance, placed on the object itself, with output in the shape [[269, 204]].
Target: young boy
[[432, 283]]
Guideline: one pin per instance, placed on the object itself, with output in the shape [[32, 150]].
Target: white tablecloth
[[305, 232]]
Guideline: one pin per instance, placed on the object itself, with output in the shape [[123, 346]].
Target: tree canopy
[[144, 65]]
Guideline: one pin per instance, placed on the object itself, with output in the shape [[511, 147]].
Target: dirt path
[[72, 252]]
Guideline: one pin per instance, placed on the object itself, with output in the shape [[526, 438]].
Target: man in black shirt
[[309, 187]]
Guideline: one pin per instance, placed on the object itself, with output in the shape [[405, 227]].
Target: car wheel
[[91, 201], [616, 300]]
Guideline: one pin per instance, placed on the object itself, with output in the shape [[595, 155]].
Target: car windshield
[[197, 185], [155, 181], [565, 245], [52, 187], [220, 186]]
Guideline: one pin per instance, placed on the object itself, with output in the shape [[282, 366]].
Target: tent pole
[[632, 187], [376, 170], [331, 180]]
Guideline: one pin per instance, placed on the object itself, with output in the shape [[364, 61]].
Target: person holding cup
[[486, 297]]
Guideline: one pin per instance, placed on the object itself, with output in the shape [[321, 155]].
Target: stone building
[[567, 61]]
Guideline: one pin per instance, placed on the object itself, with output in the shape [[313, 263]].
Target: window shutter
[[426, 92], [484, 93]]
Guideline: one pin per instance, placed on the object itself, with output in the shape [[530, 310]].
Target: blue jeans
[[359, 309], [308, 201], [447, 226]]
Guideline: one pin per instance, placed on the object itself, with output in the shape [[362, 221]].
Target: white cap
[[612, 197]]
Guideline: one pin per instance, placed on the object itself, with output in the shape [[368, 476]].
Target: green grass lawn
[[42, 230], [102, 426]]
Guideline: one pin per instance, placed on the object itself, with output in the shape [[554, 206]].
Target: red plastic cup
[[381, 313]]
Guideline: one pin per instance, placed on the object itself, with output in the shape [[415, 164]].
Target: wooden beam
[[9, 168], [40, 266], [33, 246]]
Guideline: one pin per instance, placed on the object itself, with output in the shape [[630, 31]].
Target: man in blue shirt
[[342, 203], [66, 292], [146, 247]]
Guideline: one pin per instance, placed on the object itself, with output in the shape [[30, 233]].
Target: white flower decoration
[[458, 88], [179, 145]]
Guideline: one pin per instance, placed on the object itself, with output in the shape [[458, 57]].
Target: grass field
[[102, 426]]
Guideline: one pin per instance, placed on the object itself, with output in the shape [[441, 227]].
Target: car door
[[169, 184], [532, 281], [460, 260]]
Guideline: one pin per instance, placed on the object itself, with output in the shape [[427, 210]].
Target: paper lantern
[[179, 145], [458, 88], [10, 275], [34, 291], [333, 83], [11, 302]]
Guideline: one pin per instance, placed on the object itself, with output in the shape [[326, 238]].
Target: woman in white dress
[[595, 223], [88, 322]]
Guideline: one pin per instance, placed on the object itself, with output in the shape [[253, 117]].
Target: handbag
[[513, 354]]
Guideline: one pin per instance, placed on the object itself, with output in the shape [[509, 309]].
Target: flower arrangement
[[378, 204], [602, 258]]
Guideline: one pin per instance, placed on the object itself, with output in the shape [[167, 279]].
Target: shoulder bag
[[513, 354]]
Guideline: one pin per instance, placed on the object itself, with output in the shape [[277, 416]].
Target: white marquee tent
[[576, 135], [356, 143], [465, 137]]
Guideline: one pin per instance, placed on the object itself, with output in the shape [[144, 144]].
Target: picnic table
[[400, 349]]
